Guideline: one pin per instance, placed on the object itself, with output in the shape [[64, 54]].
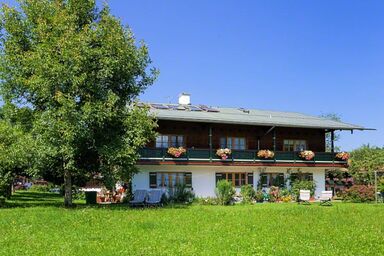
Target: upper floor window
[[294, 145], [232, 142], [166, 141]]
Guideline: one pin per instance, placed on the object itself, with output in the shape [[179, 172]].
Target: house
[[202, 130]]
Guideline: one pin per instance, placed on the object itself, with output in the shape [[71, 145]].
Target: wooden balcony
[[160, 154]]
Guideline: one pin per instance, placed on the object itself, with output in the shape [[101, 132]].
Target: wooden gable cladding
[[197, 135]]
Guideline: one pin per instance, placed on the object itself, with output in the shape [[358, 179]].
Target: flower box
[[307, 155], [265, 154], [223, 153], [176, 152]]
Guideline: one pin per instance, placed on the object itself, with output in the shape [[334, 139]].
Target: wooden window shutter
[[188, 179], [264, 180], [281, 180], [219, 176], [152, 180], [250, 178]]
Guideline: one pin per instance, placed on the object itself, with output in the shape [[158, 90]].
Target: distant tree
[[80, 72], [328, 140], [15, 155], [364, 161]]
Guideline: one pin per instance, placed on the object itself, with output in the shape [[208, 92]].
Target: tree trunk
[[67, 189]]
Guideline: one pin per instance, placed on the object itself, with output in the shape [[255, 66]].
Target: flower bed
[[176, 152], [265, 153]]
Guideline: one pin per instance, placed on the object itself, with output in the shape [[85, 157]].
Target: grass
[[37, 224]]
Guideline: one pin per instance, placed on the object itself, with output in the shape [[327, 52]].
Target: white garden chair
[[304, 196], [326, 198]]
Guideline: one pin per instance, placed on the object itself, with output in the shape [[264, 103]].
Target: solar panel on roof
[[176, 107], [208, 109], [194, 108], [159, 106]]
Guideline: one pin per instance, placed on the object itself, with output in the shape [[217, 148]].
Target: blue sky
[[306, 56]]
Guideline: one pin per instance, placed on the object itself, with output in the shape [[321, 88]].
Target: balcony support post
[[274, 140], [210, 143], [332, 141]]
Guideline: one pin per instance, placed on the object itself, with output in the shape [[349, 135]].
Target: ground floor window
[[301, 176], [238, 179], [272, 179], [169, 179]]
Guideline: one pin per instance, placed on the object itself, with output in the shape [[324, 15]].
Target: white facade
[[204, 177]]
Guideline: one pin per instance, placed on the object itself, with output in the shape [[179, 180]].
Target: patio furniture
[[326, 198], [304, 196], [138, 197], [154, 198]]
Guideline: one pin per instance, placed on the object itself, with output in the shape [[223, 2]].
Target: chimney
[[185, 99]]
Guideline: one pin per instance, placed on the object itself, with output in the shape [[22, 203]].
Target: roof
[[202, 113]]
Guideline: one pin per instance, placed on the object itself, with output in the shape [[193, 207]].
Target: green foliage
[[39, 188], [359, 194], [80, 71], [381, 185], [182, 194], [259, 196], [224, 192], [2, 201], [15, 154], [274, 194], [207, 201], [303, 185], [248, 193], [364, 161]]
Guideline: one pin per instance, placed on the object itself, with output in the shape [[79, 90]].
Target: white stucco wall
[[204, 177]]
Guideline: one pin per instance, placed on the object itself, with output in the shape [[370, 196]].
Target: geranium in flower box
[[223, 153], [342, 156], [307, 155], [176, 152], [265, 153]]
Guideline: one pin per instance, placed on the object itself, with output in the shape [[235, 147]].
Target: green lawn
[[36, 224]]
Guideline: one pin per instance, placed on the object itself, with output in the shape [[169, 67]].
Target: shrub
[[182, 194], [207, 201], [381, 185], [274, 194], [285, 195], [303, 185], [39, 188], [248, 193], [359, 194], [224, 192], [2, 201], [259, 196]]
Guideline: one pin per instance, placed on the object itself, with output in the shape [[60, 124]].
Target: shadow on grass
[[26, 199]]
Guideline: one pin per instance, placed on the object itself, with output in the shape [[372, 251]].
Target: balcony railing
[[160, 154]]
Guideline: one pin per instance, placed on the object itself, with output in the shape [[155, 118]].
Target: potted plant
[[265, 153], [259, 196], [223, 153], [176, 152], [344, 156], [307, 155]]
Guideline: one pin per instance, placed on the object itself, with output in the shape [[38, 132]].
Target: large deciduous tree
[[80, 71], [364, 161]]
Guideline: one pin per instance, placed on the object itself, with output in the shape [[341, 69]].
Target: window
[[232, 143], [238, 179], [169, 179], [294, 145], [301, 176], [166, 141], [272, 179]]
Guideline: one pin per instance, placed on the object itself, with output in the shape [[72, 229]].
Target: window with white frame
[[169, 179]]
